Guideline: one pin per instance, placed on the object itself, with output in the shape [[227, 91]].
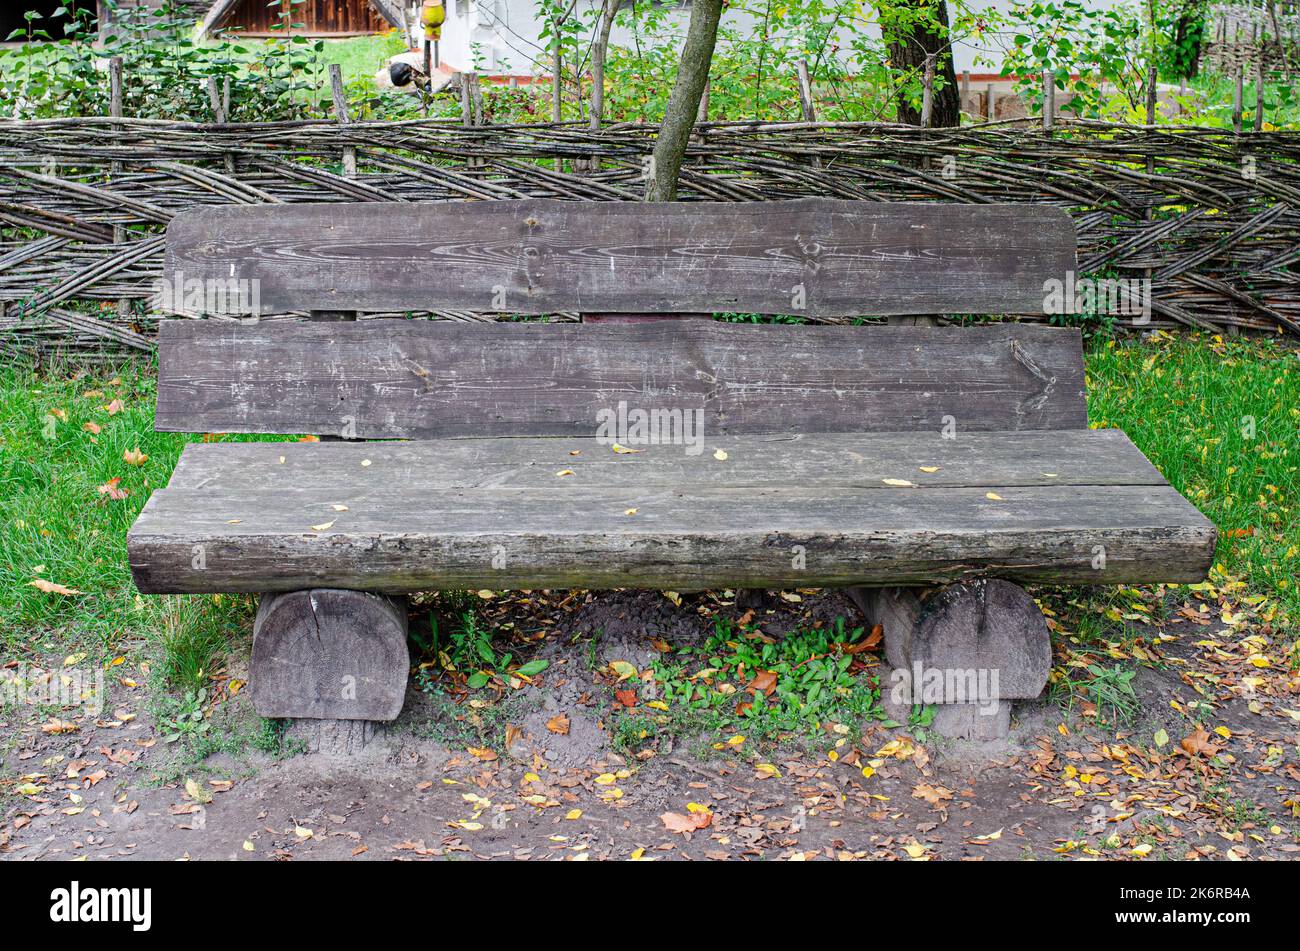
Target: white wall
[[506, 32]]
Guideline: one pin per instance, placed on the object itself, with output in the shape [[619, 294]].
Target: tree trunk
[[684, 104], [914, 29], [599, 52]]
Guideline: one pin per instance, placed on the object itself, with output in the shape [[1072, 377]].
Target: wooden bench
[[926, 468]]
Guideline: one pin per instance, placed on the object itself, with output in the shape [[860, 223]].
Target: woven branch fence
[[1211, 217]]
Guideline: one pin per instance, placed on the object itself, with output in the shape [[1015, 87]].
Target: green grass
[[359, 57], [56, 525], [1220, 418], [812, 679]]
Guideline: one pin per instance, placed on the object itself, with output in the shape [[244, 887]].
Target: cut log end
[[330, 654], [977, 643]]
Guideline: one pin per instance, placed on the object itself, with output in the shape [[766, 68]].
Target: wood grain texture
[[399, 536], [985, 624], [541, 256], [429, 379], [826, 460], [329, 654]]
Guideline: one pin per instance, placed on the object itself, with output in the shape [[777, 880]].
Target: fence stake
[[214, 99], [1152, 93], [557, 80], [115, 97], [428, 72], [990, 99], [927, 92], [1236, 102], [965, 88], [1049, 100], [219, 116], [341, 113], [471, 109], [1259, 93], [806, 102], [805, 92], [115, 110]]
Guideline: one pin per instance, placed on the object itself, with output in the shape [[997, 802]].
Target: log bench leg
[[334, 657], [970, 648]]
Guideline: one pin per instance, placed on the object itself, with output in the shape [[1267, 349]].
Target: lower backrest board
[[418, 379]]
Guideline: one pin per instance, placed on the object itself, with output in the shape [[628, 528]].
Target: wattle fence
[[1212, 218]]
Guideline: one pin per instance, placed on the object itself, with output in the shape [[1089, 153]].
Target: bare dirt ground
[[1207, 770]]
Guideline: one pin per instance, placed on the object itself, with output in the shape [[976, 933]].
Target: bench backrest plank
[[810, 257], [425, 379]]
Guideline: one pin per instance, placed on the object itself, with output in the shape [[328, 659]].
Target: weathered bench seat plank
[[407, 528], [825, 460]]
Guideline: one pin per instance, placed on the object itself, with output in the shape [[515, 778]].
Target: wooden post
[[965, 88], [990, 100], [428, 73], [1259, 92], [806, 103], [557, 80], [214, 100], [330, 654], [115, 95], [1236, 101], [471, 109], [115, 110], [981, 624], [701, 115], [927, 91], [1148, 213], [341, 113], [468, 86], [1049, 100], [1152, 78], [218, 104]]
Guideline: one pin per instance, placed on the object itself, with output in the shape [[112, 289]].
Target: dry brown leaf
[[764, 682], [558, 724], [676, 822], [1200, 743], [934, 795], [49, 587], [110, 488]]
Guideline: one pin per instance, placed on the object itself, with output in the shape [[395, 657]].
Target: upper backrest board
[[807, 257]]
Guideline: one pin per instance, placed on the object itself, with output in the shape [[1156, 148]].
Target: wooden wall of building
[[316, 17]]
